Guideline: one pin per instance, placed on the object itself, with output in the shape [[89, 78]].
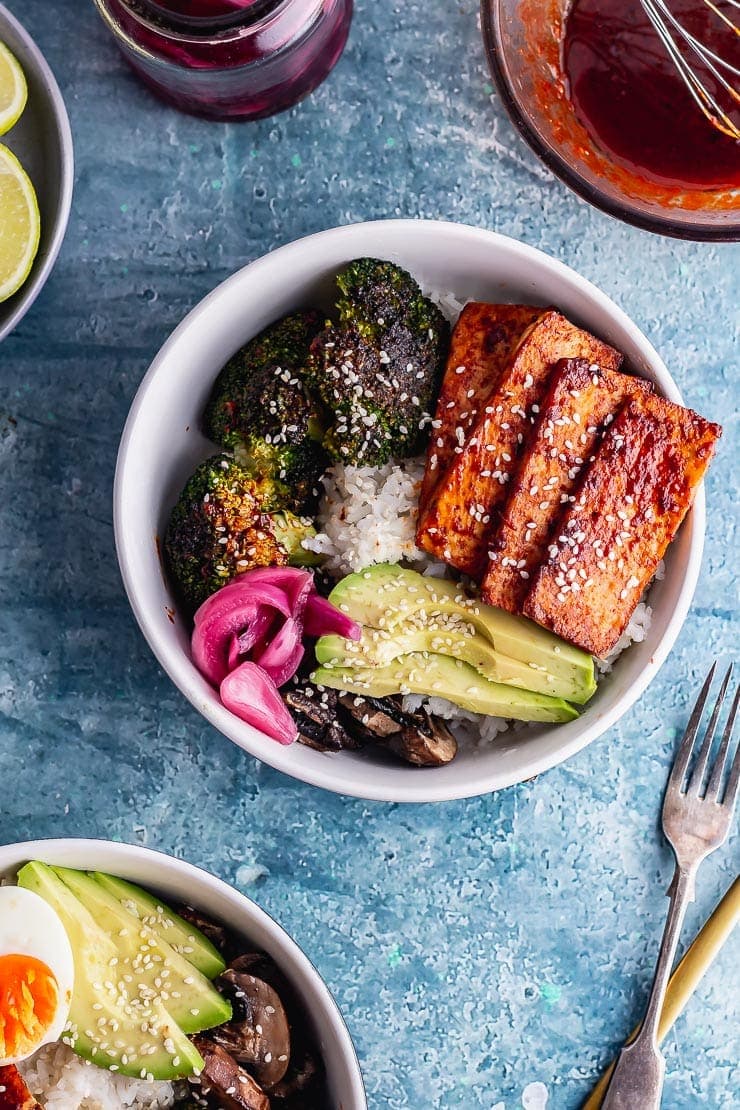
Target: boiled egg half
[[36, 974]]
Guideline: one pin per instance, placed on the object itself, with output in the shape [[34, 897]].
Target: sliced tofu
[[482, 343], [14, 1094], [581, 399], [455, 523], [628, 508]]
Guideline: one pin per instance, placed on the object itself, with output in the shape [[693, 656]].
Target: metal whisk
[[674, 36]]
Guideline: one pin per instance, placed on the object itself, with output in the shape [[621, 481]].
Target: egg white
[[30, 927]]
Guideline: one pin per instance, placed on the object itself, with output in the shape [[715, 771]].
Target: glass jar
[[230, 59]]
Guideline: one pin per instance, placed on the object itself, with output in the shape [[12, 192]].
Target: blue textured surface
[[474, 947]]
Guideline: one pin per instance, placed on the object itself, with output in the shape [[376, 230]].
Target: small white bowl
[[178, 881], [162, 444], [42, 140]]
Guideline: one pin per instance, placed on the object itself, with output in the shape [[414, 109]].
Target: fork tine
[[683, 756], [719, 763], [700, 767], [734, 780]]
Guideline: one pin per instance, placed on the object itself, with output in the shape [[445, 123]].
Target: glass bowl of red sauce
[[593, 91], [230, 59]]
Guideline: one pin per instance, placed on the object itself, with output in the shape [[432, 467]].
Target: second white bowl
[[162, 443], [177, 881]]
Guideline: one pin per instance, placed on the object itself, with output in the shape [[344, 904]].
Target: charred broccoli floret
[[261, 410], [380, 368], [219, 528]]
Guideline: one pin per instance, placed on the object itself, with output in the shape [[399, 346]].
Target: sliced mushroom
[[224, 1082], [302, 1076], [418, 738], [217, 934], [427, 742], [303, 1085], [315, 714], [258, 1034]]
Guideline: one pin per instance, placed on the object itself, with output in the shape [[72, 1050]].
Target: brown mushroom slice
[[427, 743], [417, 738], [214, 932], [315, 714], [303, 1085], [258, 1035], [303, 1074], [224, 1082]]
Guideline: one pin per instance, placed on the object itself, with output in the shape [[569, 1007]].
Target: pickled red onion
[[245, 619], [248, 641], [282, 656], [324, 619], [250, 693]]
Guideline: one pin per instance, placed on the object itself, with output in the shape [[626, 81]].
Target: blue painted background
[[474, 947]]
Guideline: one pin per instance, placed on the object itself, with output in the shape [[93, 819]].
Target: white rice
[[60, 1080], [368, 515]]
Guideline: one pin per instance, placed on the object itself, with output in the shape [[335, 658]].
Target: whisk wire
[[668, 28]]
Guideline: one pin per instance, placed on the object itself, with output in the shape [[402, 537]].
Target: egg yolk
[[29, 998]]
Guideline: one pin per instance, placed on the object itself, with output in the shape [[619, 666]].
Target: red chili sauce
[[629, 96]]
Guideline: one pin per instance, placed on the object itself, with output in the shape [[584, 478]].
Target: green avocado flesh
[[444, 677], [403, 612], [125, 1014], [193, 1002], [175, 930]]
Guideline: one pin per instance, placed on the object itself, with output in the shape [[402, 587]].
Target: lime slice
[[20, 224], [13, 90]]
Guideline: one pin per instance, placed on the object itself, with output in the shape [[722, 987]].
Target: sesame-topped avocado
[[442, 676], [403, 612], [135, 997], [168, 925]]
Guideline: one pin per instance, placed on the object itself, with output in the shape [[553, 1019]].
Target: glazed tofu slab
[[455, 523], [581, 401], [628, 508], [484, 339]]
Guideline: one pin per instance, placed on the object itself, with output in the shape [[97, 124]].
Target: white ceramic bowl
[[181, 882], [42, 139], [162, 444]]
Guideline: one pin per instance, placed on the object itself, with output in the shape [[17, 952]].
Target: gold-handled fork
[[696, 820]]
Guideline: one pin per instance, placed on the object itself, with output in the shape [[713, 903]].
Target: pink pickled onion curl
[[250, 693], [248, 641]]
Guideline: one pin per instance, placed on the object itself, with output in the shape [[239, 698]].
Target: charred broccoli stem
[[260, 409], [219, 528], [378, 371]]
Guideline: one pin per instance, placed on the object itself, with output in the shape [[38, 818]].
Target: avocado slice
[[389, 597], [378, 647], [180, 934], [159, 1050], [191, 999], [444, 677]]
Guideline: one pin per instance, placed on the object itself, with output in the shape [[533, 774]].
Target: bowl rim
[[182, 671], [199, 878], [624, 211], [38, 277]]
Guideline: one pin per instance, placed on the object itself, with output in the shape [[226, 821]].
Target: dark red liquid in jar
[[242, 60], [630, 98], [204, 9]]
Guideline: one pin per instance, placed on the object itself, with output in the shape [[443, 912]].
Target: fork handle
[[640, 1070]]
